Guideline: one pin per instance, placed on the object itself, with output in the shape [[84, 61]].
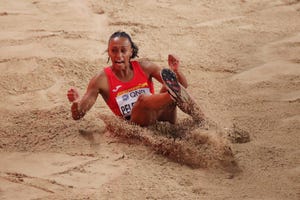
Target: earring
[[108, 60]]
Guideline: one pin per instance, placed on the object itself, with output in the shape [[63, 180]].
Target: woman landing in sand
[[127, 88]]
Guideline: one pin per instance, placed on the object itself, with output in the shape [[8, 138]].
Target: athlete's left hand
[[173, 62]]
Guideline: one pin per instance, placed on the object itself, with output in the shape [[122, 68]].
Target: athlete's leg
[[169, 113], [183, 100], [148, 108]]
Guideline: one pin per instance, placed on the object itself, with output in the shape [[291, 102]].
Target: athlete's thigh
[[142, 115]]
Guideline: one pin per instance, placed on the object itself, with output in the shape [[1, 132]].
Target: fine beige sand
[[242, 61]]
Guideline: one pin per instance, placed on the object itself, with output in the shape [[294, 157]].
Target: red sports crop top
[[123, 95]]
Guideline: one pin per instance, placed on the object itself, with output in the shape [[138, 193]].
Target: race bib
[[127, 100]]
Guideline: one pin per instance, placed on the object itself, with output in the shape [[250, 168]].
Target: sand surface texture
[[242, 61]]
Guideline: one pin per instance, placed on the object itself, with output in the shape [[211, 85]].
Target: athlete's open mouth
[[119, 62]]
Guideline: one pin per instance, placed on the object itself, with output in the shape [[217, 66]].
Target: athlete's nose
[[119, 54]]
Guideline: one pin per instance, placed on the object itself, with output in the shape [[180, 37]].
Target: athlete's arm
[[81, 106], [153, 70], [174, 62]]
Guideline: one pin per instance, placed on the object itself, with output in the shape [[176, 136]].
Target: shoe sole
[[177, 91], [180, 95], [171, 83]]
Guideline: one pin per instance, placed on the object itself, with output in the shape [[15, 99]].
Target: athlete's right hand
[[72, 94]]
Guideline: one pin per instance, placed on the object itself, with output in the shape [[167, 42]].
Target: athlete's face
[[119, 51]]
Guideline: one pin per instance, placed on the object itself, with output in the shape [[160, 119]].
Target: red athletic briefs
[[123, 95]]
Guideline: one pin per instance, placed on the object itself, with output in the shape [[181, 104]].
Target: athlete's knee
[[141, 101]]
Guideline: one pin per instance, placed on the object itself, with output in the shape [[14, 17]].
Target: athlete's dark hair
[[135, 49]]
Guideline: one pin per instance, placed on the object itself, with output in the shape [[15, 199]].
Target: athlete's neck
[[124, 74]]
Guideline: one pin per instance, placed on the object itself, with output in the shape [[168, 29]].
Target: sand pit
[[187, 142]]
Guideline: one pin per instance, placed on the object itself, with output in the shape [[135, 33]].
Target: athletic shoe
[[179, 94], [170, 80], [175, 89]]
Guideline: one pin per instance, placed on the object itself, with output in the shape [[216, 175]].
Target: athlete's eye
[[114, 51]]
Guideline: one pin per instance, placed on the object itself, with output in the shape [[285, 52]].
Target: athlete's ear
[[108, 57], [131, 52]]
